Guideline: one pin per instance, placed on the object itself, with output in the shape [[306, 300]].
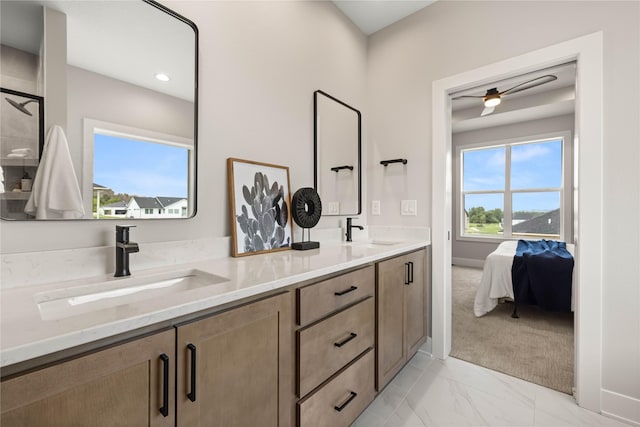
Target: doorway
[[587, 52], [512, 179]]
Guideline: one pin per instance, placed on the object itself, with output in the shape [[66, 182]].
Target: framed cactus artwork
[[260, 207]]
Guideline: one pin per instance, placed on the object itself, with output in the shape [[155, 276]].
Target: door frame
[[587, 51]]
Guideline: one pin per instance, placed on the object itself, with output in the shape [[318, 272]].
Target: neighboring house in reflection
[[114, 210], [147, 207]]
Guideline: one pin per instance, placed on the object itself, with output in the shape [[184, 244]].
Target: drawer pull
[[346, 291], [406, 273], [410, 271], [164, 409], [346, 340], [346, 402], [192, 394]]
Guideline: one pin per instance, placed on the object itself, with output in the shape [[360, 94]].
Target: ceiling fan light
[[491, 101]]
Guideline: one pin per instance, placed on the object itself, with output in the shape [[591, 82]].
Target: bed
[[496, 280]]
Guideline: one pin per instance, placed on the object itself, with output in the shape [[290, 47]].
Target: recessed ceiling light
[[162, 77]]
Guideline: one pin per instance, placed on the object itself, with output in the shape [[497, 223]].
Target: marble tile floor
[[431, 392]]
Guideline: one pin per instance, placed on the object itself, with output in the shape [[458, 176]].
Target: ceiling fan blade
[[487, 111], [530, 84], [469, 96]]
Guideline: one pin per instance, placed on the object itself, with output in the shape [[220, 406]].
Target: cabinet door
[[415, 300], [235, 368], [123, 385], [391, 354]]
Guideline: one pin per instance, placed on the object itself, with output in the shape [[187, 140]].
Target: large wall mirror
[[337, 141], [98, 110]]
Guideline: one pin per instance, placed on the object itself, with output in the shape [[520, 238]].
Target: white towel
[[55, 192]]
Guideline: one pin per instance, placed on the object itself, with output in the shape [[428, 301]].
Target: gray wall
[[19, 70], [463, 251]]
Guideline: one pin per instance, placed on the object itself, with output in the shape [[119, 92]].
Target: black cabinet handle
[[406, 273], [410, 271], [192, 394], [164, 409], [346, 402], [346, 340], [346, 291]]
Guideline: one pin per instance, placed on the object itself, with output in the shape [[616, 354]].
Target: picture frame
[[260, 200]]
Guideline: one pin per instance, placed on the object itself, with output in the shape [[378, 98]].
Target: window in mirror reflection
[[135, 178]]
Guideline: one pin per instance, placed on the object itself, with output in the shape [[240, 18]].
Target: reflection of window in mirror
[[133, 173]]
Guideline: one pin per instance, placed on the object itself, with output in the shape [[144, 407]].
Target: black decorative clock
[[306, 209]]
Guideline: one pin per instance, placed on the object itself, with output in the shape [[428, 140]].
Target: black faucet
[[123, 248], [350, 226]]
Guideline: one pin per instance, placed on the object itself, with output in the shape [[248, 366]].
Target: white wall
[[450, 37], [260, 63], [477, 250]]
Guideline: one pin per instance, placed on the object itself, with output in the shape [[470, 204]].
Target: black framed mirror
[[118, 83], [337, 139]]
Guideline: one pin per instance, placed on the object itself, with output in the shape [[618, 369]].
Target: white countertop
[[24, 335]]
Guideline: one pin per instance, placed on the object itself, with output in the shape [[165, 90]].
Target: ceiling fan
[[493, 97]]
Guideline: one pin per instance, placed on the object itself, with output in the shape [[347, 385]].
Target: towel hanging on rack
[[55, 192]]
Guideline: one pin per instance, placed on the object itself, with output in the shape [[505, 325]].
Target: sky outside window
[[484, 169], [537, 165], [533, 165], [140, 168]]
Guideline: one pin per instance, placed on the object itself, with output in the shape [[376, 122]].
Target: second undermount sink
[[68, 302], [372, 243]]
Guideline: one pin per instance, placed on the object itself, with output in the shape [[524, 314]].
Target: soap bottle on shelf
[[26, 182]]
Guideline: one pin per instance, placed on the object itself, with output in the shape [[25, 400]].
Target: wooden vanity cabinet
[[402, 312], [125, 385], [335, 356], [234, 368], [352, 333]]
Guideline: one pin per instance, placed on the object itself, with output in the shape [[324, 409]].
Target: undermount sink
[[372, 243], [69, 302]]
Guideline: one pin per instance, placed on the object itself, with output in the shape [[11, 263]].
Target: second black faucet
[[350, 226]]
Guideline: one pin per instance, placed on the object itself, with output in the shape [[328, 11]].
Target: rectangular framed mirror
[[337, 146], [117, 81]]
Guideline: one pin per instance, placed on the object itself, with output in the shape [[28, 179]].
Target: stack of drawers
[[335, 341]]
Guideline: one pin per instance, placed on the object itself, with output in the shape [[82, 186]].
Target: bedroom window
[[513, 190]]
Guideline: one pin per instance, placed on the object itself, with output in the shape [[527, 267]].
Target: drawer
[[327, 346], [322, 298], [339, 402]]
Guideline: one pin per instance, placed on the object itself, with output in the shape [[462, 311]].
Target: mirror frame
[[316, 148], [194, 179]]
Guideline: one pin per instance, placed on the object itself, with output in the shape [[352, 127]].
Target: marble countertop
[[25, 335]]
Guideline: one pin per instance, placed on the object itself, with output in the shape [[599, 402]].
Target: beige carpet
[[537, 347]]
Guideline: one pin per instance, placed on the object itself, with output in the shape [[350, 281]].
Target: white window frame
[[90, 127], [565, 202]]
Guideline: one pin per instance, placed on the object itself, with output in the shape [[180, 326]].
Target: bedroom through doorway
[[512, 178]]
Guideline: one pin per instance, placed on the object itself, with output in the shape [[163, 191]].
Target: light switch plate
[[409, 207], [332, 208], [375, 207]]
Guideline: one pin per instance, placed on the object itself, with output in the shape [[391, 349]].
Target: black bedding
[[542, 273]]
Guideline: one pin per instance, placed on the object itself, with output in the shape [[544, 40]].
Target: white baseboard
[[621, 407], [468, 262]]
